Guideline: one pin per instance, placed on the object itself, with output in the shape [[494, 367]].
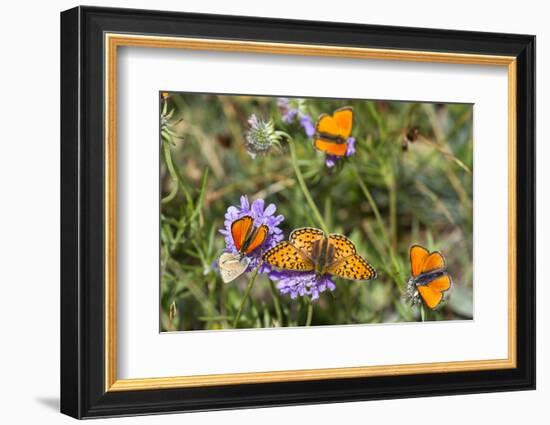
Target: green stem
[[176, 177], [424, 315], [377, 215], [393, 213], [246, 293], [309, 313], [172, 171], [304, 188], [276, 302]]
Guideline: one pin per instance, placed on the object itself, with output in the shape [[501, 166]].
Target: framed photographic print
[[261, 212]]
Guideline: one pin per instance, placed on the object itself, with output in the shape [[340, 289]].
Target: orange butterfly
[[429, 275], [308, 250], [246, 238], [332, 132]]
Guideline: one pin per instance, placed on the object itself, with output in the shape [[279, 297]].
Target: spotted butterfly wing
[[343, 247], [304, 239], [353, 267], [286, 256], [345, 261]]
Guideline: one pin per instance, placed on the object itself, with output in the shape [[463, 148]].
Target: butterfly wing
[[345, 261], [327, 125], [418, 255], [240, 229], [330, 136], [304, 239], [286, 256], [434, 261], [342, 246], [353, 267], [232, 266], [330, 147], [442, 283], [258, 239], [431, 297], [344, 120]]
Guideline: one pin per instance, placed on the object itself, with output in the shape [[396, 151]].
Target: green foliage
[[390, 194]]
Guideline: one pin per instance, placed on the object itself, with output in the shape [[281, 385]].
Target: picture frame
[[90, 41]]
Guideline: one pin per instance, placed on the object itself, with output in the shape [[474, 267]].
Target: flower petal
[[270, 209]]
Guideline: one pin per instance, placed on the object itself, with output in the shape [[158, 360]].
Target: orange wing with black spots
[[304, 239], [353, 267], [343, 247], [286, 256], [346, 263]]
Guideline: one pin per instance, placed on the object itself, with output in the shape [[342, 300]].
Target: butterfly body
[[322, 256], [310, 250], [246, 238], [429, 278], [426, 278], [333, 131]]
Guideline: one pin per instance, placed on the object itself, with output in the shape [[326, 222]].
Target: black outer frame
[[82, 212]]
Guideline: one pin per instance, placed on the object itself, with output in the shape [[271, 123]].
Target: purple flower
[[332, 160], [261, 216], [303, 284], [294, 108], [307, 124], [288, 113]]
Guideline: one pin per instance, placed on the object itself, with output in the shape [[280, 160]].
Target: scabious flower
[[261, 216], [292, 109], [288, 111], [331, 160], [307, 124], [303, 284], [261, 136]]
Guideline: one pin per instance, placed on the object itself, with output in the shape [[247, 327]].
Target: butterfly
[[246, 238], [308, 249], [429, 275], [332, 132]]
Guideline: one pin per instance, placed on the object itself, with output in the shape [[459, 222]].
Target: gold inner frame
[[113, 41]]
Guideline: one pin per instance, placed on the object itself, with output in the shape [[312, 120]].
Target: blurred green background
[[410, 181]]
